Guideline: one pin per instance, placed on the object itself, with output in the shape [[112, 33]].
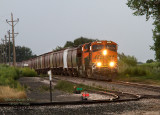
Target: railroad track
[[143, 86], [138, 85], [124, 94], [118, 96]]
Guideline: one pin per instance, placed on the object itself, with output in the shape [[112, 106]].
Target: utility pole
[[1, 53], [9, 48], [5, 49], [13, 37]]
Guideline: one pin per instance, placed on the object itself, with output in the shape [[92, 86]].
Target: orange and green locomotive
[[99, 59]]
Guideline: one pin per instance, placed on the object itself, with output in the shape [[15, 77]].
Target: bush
[[65, 86], [136, 71], [128, 60], [27, 72], [8, 76], [150, 61]]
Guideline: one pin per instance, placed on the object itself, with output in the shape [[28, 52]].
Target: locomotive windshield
[[97, 47], [111, 47]]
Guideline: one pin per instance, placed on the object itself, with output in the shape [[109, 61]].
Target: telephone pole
[[1, 53], [3, 49], [13, 23], [9, 48]]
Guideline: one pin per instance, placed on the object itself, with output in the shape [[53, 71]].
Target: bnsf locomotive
[[96, 60]]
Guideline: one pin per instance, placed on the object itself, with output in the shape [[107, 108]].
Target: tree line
[[22, 53], [75, 43]]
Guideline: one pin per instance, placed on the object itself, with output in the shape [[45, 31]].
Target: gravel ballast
[[143, 107]]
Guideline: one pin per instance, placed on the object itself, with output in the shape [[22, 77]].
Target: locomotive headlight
[[111, 64], [99, 64], [104, 52]]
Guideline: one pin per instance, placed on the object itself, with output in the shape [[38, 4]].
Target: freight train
[[97, 60]]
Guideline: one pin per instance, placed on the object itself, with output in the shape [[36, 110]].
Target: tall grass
[[27, 72], [7, 93], [129, 68], [8, 76], [69, 87]]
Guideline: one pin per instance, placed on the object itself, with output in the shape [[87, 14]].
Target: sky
[[45, 24]]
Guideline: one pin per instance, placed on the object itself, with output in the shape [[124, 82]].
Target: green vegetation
[[149, 8], [69, 87], [43, 75], [22, 53], [129, 70], [44, 88], [9, 86], [150, 61], [9, 76], [27, 72], [76, 42]]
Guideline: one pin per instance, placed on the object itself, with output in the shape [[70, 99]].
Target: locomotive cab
[[103, 59]]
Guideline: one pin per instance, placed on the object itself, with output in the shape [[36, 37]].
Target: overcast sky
[[44, 24]]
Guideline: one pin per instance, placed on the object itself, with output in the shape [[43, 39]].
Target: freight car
[[96, 60]]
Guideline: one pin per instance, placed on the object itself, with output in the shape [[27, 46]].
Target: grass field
[[9, 86], [70, 87], [7, 93], [129, 70]]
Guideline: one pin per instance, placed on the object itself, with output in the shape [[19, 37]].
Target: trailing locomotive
[[96, 60]]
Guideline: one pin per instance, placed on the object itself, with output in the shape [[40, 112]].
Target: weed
[[44, 88], [27, 72], [93, 84], [9, 93], [69, 87]]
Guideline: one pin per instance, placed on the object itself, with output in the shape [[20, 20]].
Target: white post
[[50, 79]]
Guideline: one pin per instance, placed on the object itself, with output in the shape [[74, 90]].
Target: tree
[[149, 8], [79, 41], [22, 53], [127, 59], [149, 61], [156, 38], [69, 44], [75, 43], [58, 48], [83, 40]]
